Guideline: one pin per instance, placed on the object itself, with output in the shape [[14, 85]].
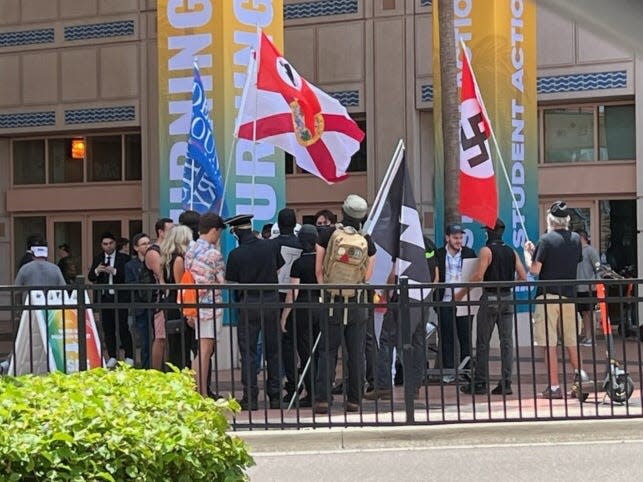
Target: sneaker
[[474, 388], [129, 362], [552, 394], [320, 408], [584, 377], [585, 342], [249, 405], [502, 389], [338, 389], [305, 402], [111, 363], [446, 379], [275, 402], [352, 406], [379, 395]]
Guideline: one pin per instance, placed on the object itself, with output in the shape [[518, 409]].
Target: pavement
[[464, 434]]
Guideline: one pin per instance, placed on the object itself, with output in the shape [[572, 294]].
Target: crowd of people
[[301, 327]]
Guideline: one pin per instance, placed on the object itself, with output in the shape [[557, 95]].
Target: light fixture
[[78, 148]]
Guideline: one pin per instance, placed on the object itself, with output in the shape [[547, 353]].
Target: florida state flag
[[280, 107], [478, 192]]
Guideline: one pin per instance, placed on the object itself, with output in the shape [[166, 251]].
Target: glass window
[[616, 132], [104, 158], [135, 227], [290, 163], [29, 161], [569, 134], [23, 228], [62, 167], [133, 169]]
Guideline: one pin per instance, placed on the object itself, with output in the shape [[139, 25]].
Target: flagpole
[[196, 66], [249, 74], [493, 138], [254, 135]]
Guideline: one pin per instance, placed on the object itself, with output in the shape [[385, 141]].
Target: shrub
[[116, 425]]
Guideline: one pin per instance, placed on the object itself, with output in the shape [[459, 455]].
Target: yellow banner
[[500, 36]]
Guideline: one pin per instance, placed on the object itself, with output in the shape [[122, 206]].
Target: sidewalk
[[463, 435]]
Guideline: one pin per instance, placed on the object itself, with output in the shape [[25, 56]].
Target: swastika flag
[[478, 191]]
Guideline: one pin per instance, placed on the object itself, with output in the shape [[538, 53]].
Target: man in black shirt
[[498, 262], [348, 323], [256, 261], [556, 257]]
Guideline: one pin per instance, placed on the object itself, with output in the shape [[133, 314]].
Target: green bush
[[116, 425]]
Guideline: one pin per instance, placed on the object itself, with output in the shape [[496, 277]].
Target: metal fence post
[[82, 327], [407, 349]]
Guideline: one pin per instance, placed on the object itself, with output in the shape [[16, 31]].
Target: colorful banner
[[501, 41], [220, 35], [47, 338]]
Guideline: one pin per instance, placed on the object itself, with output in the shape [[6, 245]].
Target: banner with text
[[501, 40], [220, 35]]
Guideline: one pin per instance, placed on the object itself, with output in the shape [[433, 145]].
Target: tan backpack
[[346, 260]]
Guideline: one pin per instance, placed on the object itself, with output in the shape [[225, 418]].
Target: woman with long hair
[[180, 335]]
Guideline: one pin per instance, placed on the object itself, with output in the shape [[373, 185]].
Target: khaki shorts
[[556, 309]]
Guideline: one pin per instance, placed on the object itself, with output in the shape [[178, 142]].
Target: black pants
[[449, 326], [180, 345], [252, 321], [115, 327], [288, 351], [333, 331], [494, 310]]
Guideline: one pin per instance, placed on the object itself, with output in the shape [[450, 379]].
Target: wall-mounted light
[[78, 148]]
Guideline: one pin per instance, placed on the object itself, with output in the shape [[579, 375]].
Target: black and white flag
[[394, 225]]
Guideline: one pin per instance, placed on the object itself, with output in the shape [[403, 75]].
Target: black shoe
[[474, 388], [398, 381], [305, 402], [252, 405], [338, 389], [502, 389], [275, 402]]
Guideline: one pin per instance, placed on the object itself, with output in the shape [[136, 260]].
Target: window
[[114, 157], [29, 162], [358, 161], [589, 133]]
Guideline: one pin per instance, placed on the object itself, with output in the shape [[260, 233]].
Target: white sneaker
[[111, 363], [448, 379], [584, 377], [129, 361]]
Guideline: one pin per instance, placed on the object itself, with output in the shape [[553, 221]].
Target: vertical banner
[[500, 36], [220, 36]]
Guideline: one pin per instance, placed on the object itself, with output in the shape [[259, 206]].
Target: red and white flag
[[478, 192], [280, 107]]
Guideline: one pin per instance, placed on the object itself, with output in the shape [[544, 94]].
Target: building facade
[[84, 74]]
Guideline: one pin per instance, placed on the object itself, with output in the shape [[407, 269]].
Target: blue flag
[[202, 180]]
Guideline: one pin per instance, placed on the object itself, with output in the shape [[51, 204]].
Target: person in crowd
[[140, 243], [153, 263], [256, 262], [266, 231], [173, 248], [123, 246], [498, 262], [347, 322], [587, 270], [303, 323], [39, 271], [290, 249], [32, 240], [67, 264], [450, 260], [325, 218], [190, 219], [107, 270], [206, 264], [556, 257]]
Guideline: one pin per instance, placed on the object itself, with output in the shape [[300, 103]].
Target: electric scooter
[[618, 385]]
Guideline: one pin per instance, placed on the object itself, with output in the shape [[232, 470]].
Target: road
[[596, 460]]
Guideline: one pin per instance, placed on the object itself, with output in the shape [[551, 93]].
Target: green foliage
[[116, 425]]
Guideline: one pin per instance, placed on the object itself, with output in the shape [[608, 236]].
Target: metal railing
[[335, 365]]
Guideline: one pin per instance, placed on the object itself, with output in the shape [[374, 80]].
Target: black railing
[[335, 365]]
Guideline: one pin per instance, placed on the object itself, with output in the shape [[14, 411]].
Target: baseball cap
[[559, 209], [454, 228]]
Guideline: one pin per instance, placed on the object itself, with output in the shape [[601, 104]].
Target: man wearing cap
[[450, 259], [556, 257], [498, 262], [39, 272], [348, 323], [256, 261], [107, 270]]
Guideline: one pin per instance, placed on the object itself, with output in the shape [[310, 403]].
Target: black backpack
[[146, 277]]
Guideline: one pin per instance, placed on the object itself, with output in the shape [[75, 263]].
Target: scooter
[[618, 385]]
